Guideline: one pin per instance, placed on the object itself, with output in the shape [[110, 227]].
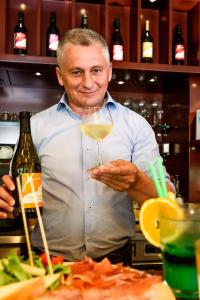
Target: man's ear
[[59, 76], [110, 72]]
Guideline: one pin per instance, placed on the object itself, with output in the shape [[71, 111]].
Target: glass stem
[[100, 160]]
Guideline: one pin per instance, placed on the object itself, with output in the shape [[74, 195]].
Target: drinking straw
[[162, 177], [155, 179], [44, 239], [24, 221]]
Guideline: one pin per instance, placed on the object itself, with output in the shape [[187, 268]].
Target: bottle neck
[[178, 35], [147, 25], [84, 21], [21, 18], [53, 19], [25, 126], [116, 25]]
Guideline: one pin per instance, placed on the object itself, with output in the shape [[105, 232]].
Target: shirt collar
[[109, 101]]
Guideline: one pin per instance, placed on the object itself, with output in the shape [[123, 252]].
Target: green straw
[[162, 177], [155, 179]]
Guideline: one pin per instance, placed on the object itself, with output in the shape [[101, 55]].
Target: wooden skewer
[[24, 221], [41, 227]]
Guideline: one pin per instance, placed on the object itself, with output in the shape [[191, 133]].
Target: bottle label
[[31, 185], [147, 49], [118, 52], [179, 52], [53, 41], [20, 40]]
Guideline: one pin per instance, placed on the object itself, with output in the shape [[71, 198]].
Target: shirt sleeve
[[146, 149]]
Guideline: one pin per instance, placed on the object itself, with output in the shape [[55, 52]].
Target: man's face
[[84, 73]]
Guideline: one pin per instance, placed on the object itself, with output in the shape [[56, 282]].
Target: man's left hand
[[119, 174]]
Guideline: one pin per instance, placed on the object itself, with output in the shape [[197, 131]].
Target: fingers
[[117, 183], [6, 200], [5, 208], [8, 182], [118, 168]]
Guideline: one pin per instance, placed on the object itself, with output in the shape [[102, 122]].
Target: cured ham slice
[[103, 281]]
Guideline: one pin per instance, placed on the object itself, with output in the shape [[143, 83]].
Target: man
[[89, 216]]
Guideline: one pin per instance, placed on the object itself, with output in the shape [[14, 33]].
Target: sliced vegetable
[[57, 259], [6, 278], [13, 267], [32, 270]]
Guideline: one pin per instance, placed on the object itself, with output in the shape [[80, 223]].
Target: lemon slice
[[149, 218]]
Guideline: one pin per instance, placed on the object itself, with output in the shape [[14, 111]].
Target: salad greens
[[14, 269]]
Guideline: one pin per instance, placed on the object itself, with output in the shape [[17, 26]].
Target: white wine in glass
[[96, 126]]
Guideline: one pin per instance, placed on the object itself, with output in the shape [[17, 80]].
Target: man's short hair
[[80, 36]]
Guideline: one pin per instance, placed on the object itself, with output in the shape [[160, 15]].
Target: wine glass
[[96, 126]]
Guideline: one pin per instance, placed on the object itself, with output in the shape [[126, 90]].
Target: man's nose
[[87, 81]]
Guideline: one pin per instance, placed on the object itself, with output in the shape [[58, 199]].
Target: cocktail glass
[[197, 251], [178, 235]]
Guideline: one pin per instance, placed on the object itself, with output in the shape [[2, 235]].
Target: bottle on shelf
[[117, 45], [179, 46], [84, 21], [20, 36], [147, 45], [26, 166], [52, 38], [179, 195], [177, 149], [165, 150]]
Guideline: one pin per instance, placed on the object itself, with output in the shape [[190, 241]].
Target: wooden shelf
[[157, 67], [163, 16], [12, 60]]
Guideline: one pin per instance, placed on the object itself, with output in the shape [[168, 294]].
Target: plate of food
[[83, 280]]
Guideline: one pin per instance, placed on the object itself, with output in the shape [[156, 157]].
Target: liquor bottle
[[20, 35], [84, 21], [179, 47], [179, 195], [26, 166], [117, 45], [165, 150], [52, 36], [147, 45]]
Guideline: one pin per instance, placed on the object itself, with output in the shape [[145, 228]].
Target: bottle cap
[[116, 23], [21, 15], [53, 16], [178, 28], [24, 114]]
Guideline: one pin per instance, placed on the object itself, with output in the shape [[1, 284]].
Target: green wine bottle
[[147, 45], [26, 166]]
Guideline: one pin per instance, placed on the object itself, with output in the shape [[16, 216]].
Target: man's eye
[[96, 70], [76, 73]]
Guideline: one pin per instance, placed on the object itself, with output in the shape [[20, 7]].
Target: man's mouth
[[88, 93]]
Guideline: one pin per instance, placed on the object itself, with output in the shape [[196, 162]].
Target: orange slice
[[149, 217]]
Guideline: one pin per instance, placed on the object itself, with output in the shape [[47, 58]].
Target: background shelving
[[177, 88]]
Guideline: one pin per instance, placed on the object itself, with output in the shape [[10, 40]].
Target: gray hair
[[84, 37]]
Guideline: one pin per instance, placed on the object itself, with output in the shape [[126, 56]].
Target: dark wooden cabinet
[[175, 88]]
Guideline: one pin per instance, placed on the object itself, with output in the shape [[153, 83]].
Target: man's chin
[[91, 101]]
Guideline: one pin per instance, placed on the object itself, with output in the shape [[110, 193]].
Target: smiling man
[[89, 217]]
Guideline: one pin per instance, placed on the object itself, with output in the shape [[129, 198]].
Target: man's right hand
[[6, 200]]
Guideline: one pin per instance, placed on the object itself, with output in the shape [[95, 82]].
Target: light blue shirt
[[84, 217]]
